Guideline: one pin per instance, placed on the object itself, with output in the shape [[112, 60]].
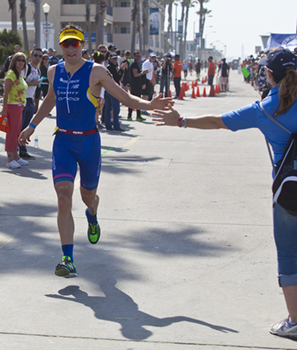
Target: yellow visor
[[71, 34]]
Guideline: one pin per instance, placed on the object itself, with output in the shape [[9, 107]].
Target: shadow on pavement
[[117, 306]]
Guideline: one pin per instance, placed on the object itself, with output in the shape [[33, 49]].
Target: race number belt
[[74, 132]]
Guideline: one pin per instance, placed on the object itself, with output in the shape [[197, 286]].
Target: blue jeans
[[111, 104], [165, 82], [285, 235]]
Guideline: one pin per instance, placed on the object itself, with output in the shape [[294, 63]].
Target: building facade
[[117, 23]]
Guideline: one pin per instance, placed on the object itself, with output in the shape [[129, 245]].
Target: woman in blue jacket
[[281, 104]]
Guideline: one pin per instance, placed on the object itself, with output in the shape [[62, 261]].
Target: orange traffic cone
[[193, 84], [211, 92], [169, 95], [216, 90], [184, 91], [219, 88], [187, 85], [197, 92], [193, 93], [181, 93], [204, 93]]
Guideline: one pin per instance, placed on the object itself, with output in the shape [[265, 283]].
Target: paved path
[[186, 259]]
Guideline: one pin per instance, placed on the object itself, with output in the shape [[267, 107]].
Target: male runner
[[73, 87]]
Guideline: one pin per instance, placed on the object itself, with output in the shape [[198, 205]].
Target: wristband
[[182, 122], [179, 121], [33, 126]]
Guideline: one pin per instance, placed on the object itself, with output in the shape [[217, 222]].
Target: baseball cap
[[111, 47], [153, 54], [71, 33], [277, 60], [113, 55]]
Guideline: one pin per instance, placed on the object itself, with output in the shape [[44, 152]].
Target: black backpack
[[284, 186]]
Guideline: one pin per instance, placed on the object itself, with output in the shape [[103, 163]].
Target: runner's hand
[[24, 137], [161, 103], [169, 116]]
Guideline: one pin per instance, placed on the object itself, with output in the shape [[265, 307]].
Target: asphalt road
[[186, 259]]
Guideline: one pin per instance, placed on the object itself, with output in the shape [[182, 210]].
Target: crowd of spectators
[[254, 73]]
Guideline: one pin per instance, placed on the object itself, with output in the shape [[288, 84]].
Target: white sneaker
[[284, 329], [13, 165], [21, 161]]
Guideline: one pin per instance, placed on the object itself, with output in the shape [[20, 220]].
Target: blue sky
[[238, 24]]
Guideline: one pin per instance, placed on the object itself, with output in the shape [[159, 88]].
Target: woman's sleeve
[[243, 118]]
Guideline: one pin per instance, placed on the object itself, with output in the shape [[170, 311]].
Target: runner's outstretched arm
[[171, 117], [102, 76]]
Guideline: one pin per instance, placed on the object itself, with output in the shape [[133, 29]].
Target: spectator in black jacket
[[137, 83], [111, 103]]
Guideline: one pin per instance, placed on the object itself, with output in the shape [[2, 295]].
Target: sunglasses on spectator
[[70, 42], [103, 51], [46, 58], [21, 60], [36, 55]]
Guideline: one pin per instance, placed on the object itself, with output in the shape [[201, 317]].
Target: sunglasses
[[46, 58], [70, 42], [36, 55], [21, 60], [103, 51]]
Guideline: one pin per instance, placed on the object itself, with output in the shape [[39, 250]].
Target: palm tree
[[99, 20], [138, 30], [89, 29], [135, 13], [181, 51], [23, 18], [169, 27], [12, 7], [145, 23], [202, 13], [189, 3]]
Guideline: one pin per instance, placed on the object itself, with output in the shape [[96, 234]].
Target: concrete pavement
[[186, 259]]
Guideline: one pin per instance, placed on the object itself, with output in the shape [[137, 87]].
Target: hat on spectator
[[153, 54], [113, 55], [111, 47], [277, 60]]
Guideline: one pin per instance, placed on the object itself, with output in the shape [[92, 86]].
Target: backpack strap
[[274, 120], [267, 144]]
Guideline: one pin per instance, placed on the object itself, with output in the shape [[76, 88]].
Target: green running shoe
[[94, 232], [129, 118], [140, 119], [66, 268]]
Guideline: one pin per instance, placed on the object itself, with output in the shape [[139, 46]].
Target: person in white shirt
[[148, 91]]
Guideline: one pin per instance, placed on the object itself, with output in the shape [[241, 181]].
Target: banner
[[288, 41], [180, 28], [197, 39], [154, 21]]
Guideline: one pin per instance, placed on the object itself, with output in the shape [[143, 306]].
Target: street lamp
[[206, 37], [46, 8], [194, 39]]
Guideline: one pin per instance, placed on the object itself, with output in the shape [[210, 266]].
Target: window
[[125, 30], [115, 29], [72, 2], [125, 4]]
